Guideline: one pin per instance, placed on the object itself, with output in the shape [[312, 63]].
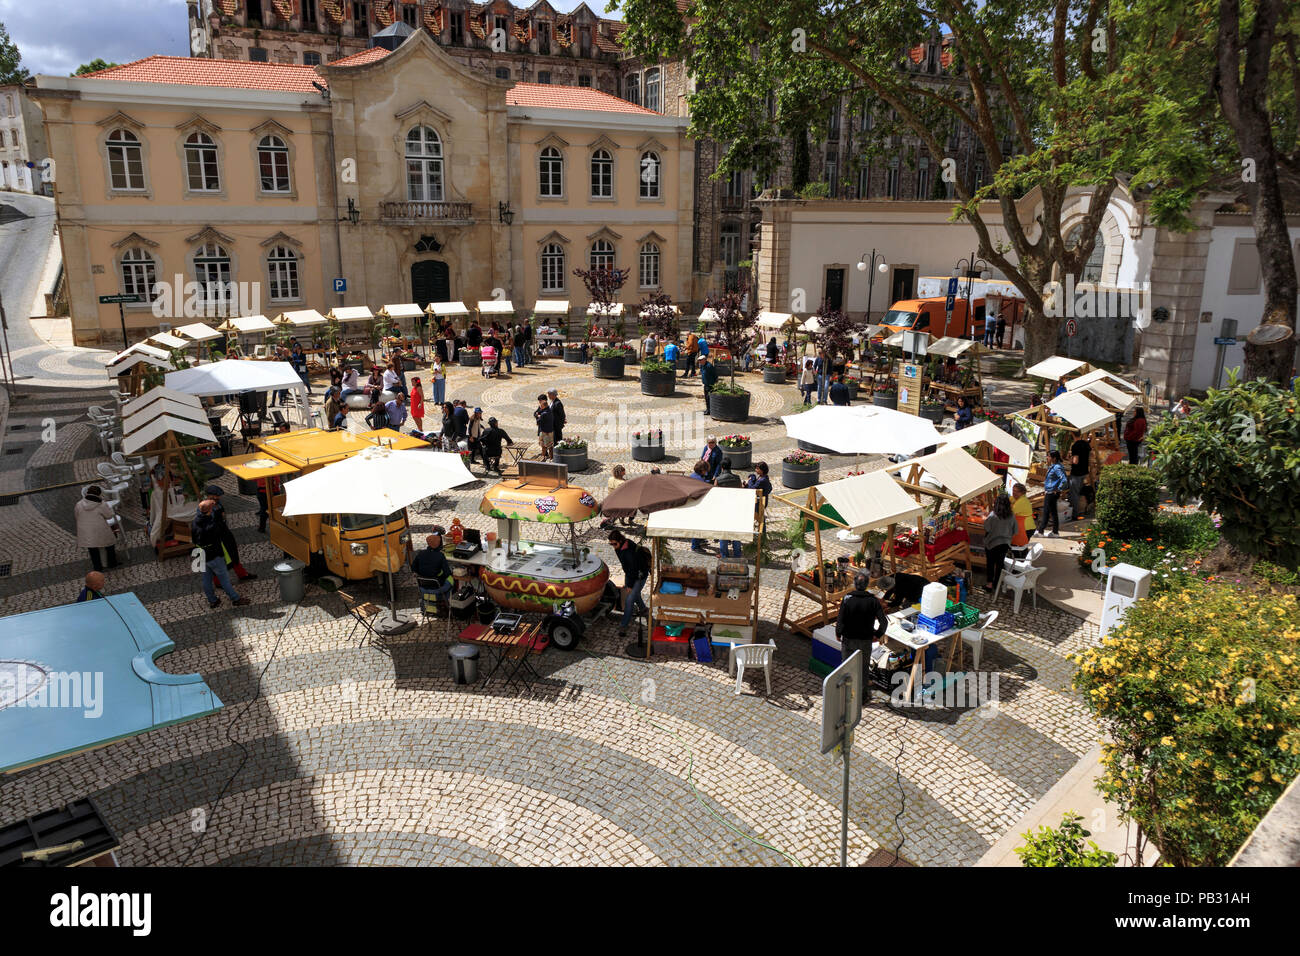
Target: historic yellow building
[[251, 187]]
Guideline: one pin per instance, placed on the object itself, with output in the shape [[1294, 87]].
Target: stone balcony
[[421, 212]]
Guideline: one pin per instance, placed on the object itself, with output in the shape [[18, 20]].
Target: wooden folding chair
[[364, 614]]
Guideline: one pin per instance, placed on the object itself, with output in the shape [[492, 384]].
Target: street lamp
[[354, 214], [968, 267], [871, 270]]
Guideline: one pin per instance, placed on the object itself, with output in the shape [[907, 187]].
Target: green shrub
[[1196, 696], [1127, 499], [1170, 551], [1063, 847]]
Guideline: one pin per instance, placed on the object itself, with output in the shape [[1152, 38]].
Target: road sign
[[1225, 341], [952, 286], [841, 712], [1071, 328], [340, 285], [119, 299], [949, 302]]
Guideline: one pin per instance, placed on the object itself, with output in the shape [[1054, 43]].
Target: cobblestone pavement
[[335, 753]]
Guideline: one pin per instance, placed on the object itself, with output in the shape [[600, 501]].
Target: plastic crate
[[963, 615], [935, 625]]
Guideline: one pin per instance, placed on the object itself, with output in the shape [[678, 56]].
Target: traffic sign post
[[841, 712], [121, 313], [340, 285]]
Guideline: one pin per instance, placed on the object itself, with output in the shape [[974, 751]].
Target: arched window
[[602, 254], [273, 164], [602, 174], [201, 163], [212, 272], [649, 175], [125, 160], [138, 273], [282, 264], [632, 88], [551, 169], [650, 266], [1091, 268], [423, 165], [652, 89], [553, 267]]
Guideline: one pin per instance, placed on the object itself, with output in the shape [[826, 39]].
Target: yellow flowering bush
[[1198, 692]]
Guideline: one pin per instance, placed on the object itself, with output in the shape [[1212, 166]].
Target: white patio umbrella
[[861, 430], [376, 481]]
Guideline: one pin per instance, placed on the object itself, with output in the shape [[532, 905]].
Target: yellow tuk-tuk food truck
[[348, 545]]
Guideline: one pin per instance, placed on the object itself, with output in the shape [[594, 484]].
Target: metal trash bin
[[464, 663], [290, 575]]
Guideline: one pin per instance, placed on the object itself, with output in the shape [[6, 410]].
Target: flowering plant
[[886, 388], [651, 434], [573, 443], [802, 459], [734, 441]]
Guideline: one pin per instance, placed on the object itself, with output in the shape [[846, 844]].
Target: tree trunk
[[1042, 333]]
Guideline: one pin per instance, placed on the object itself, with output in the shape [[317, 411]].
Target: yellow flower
[[1147, 715]]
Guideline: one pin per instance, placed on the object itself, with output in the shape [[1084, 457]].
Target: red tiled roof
[[232, 74], [544, 95], [365, 56]]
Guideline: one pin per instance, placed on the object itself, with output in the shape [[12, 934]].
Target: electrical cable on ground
[[902, 794]]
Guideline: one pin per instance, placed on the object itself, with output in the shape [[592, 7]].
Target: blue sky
[[60, 37]]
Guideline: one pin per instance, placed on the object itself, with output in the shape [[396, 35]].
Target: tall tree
[[11, 68], [94, 66], [1040, 84]]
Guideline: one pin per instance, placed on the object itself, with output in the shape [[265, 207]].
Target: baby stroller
[[489, 354]]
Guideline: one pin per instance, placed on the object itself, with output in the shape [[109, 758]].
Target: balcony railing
[[426, 211]]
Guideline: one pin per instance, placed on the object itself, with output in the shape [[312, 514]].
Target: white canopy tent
[[950, 347], [726, 513], [551, 307], [235, 377], [1112, 396], [811, 325], [141, 348], [953, 471], [445, 309], [870, 501], [198, 332], [136, 405], [1016, 450], [1054, 367], [1079, 411], [165, 406], [613, 308], [301, 318], [133, 359], [774, 320], [343, 314], [495, 307], [133, 441], [1100, 375], [247, 324], [861, 430], [170, 341], [397, 310]]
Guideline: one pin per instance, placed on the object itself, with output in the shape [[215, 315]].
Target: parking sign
[[340, 285]]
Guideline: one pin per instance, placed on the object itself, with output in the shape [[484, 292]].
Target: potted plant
[[932, 410], [603, 286], [774, 374], [800, 470], [470, 356], [740, 449], [886, 395], [573, 352], [657, 376], [729, 402], [572, 451], [648, 445], [609, 362]]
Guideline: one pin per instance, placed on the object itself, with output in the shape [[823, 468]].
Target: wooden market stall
[[203, 334], [956, 349], [448, 313], [131, 367], [858, 504], [725, 597]]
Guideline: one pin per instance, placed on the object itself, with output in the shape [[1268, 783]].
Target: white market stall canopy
[[614, 308], [676, 311], [873, 500], [899, 339], [1057, 366], [1016, 450], [1112, 396], [956, 472], [774, 320], [950, 347], [811, 325], [709, 315], [343, 314], [871, 330], [495, 306], [1079, 411], [232, 376], [302, 317], [161, 426], [132, 360], [170, 341], [248, 324], [551, 307], [377, 481], [726, 513], [165, 406], [397, 310], [198, 332], [154, 394], [447, 308], [861, 430], [1100, 375], [143, 349]]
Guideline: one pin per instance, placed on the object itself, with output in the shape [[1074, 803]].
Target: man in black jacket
[[432, 572], [635, 560], [545, 427], [557, 414], [213, 493], [205, 532], [489, 443], [860, 623]]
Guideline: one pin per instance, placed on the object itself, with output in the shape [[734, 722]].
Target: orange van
[[929, 315]]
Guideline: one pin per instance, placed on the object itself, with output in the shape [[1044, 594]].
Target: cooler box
[[826, 647]]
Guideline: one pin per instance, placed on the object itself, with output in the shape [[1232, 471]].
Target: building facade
[[23, 153], [409, 174]]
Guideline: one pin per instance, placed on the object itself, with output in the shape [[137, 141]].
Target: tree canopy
[[11, 68], [94, 66]]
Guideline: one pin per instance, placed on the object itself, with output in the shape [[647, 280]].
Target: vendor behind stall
[[635, 559], [860, 623]]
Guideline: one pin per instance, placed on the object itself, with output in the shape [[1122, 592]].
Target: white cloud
[[58, 36]]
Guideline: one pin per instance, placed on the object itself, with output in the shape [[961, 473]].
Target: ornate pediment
[[198, 122], [603, 142], [654, 146], [121, 119], [134, 239], [271, 128], [279, 239], [550, 139], [422, 110], [651, 236], [553, 236], [604, 232], [209, 234]]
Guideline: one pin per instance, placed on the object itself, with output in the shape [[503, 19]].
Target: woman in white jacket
[[93, 529]]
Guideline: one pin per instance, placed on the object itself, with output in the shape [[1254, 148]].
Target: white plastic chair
[[115, 481], [136, 468], [751, 655], [259, 351], [107, 496], [101, 416], [1020, 565], [973, 637], [1019, 582]]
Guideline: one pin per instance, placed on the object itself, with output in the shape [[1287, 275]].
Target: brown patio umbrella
[[647, 493]]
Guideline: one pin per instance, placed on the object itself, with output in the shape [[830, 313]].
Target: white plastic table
[[917, 641]]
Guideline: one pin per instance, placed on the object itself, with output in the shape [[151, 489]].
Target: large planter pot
[[575, 458], [573, 355], [729, 408], [724, 369], [358, 364], [774, 376], [658, 384], [885, 400], [795, 477], [853, 391], [471, 359], [933, 414], [647, 449], [681, 362], [607, 367], [742, 458], [408, 364]]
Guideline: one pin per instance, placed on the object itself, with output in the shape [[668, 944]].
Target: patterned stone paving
[[335, 753]]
